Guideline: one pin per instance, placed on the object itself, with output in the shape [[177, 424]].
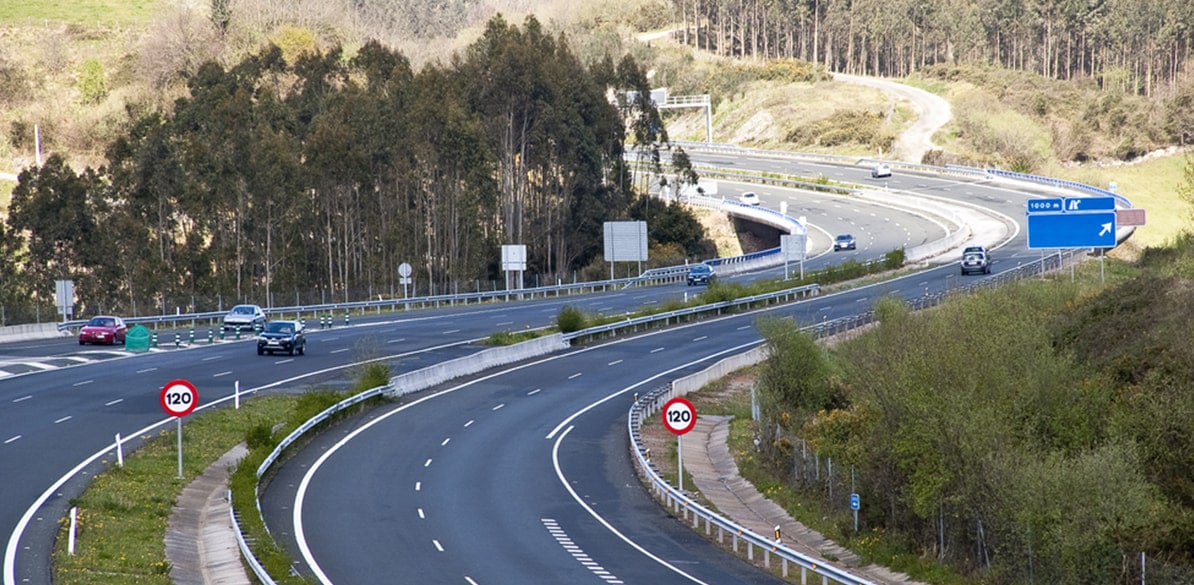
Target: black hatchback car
[[287, 336], [700, 274]]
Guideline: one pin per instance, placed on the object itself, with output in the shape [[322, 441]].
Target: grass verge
[[123, 513]]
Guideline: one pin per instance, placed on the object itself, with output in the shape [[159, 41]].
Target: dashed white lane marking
[[577, 553], [470, 580], [63, 419], [657, 350], [211, 357], [574, 376], [114, 402], [534, 392], [744, 327], [438, 546], [451, 331], [445, 442], [504, 323], [339, 350], [614, 363], [468, 424], [279, 362], [422, 516], [499, 406], [83, 383], [418, 486], [701, 338], [146, 370], [427, 463], [13, 438], [221, 374], [397, 340], [22, 399]]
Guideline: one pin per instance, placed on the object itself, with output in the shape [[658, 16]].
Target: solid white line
[[14, 438], [117, 401], [614, 363], [576, 375], [63, 419], [555, 460], [83, 383], [438, 547], [445, 441], [22, 399], [221, 374]]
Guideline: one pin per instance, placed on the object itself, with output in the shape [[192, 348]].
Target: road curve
[[933, 112]]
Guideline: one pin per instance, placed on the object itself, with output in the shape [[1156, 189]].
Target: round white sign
[[179, 397], [679, 415]]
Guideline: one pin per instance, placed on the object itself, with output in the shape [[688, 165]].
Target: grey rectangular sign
[[625, 241]]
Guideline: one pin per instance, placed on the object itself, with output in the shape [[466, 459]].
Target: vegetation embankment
[[1039, 432], [124, 512]]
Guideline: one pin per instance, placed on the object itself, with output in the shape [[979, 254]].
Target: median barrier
[[31, 331], [493, 357]]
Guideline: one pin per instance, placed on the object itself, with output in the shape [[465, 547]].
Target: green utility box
[[137, 339]]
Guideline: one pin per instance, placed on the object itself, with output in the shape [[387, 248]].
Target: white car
[[749, 198], [880, 171], [245, 317]]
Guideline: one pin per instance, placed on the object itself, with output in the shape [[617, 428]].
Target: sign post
[[679, 416], [179, 398]]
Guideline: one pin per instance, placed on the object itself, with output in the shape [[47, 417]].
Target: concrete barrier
[[33, 331], [483, 360]]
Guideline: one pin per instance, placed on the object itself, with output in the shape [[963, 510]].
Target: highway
[[61, 412]]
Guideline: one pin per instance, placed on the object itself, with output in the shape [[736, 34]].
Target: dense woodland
[[1135, 45], [277, 182], [1038, 433]]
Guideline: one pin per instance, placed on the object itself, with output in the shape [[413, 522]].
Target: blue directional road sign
[[1051, 205], [1072, 230], [854, 501], [1083, 204]]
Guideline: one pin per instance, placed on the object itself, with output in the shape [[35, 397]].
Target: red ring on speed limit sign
[[179, 397], [679, 415]]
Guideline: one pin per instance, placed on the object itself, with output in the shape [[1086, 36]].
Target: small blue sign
[[854, 503], [1053, 205], [1084, 204], [1072, 230]]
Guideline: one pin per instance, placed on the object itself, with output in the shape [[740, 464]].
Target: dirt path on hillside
[[932, 111]]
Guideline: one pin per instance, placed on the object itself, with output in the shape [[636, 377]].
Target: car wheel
[[260, 351], [302, 350], [290, 352], [81, 342]]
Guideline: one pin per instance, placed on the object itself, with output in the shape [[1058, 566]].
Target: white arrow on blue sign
[[854, 503], [1072, 230]]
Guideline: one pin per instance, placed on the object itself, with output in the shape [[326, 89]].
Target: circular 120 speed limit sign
[[679, 415], [179, 397]]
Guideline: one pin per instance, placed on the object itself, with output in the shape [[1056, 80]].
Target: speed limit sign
[[179, 397], [679, 415]]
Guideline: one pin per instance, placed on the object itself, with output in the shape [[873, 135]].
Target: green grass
[[123, 513], [1151, 185], [510, 338], [83, 12]]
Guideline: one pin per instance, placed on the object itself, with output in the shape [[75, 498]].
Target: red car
[[103, 329]]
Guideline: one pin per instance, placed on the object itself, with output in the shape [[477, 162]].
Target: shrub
[[894, 259], [570, 319], [92, 87]]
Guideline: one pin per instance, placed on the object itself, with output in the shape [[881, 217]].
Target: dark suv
[[975, 260], [287, 336], [700, 274]]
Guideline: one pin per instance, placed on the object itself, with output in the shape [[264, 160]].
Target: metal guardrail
[[692, 511]]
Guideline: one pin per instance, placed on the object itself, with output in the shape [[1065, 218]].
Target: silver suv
[[975, 260]]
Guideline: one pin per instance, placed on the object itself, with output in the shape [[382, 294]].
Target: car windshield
[[844, 238], [974, 249], [102, 322], [242, 310], [279, 327], [701, 268]]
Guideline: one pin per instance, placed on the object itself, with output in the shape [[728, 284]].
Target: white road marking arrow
[[1106, 228]]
